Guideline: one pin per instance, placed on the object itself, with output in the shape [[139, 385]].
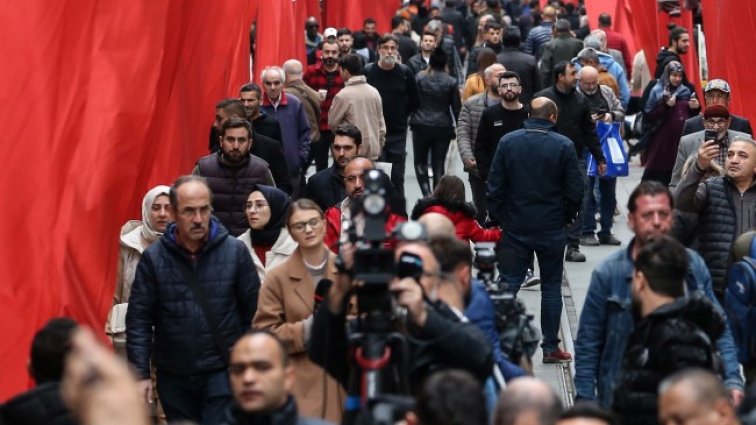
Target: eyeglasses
[[300, 227], [512, 85], [256, 206], [718, 123]]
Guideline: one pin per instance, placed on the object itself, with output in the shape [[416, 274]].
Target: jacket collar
[[538, 124], [284, 415], [283, 102], [357, 79]]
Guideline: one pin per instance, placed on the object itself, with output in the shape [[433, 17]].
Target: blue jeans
[[607, 202], [576, 229], [395, 152], [515, 256], [201, 398]]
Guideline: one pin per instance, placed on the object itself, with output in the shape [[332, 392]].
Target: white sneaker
[[530, 279]]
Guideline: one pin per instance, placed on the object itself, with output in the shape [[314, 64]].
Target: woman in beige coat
[[286, 303]]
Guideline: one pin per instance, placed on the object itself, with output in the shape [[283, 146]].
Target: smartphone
[[710, 135], [409, 265]]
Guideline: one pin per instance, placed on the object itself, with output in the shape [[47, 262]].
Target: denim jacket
[[606, 323]]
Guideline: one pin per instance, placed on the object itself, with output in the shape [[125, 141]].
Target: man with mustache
[[194, 294], [232, 173], [726, 206], [325, 78]]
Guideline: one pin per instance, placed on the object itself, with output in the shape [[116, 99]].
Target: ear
[[290, 377], [723, 408], [464, 275], [639, 282]]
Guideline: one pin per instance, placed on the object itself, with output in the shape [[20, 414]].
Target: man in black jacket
[[195, 292], [576, 124], [251, 96], [491, 40], [717, 92], [520, 62], [43, 405], [326, 187], [675, 332], [261, 379], [437, 338]]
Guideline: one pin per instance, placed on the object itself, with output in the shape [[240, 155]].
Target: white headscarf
[[148, 231]]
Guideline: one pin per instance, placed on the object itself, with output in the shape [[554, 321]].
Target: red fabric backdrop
[[351, 13], [280, 33], [101, 100]]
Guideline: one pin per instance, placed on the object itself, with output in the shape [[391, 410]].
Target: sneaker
[[609, 239], [557, 356], [589, 240], [530, 279], [574, 255]]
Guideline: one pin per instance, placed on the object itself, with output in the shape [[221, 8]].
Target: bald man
[[437, 225], [695, 396], [294, 84], [527, 401], [534, 201]]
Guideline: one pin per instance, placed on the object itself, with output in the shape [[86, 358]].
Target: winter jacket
[[535, 183], [295, 129], [676, 336], [162, 298], [574, 120], [474, 84], [325, 187], [537, 37], [417, 63], [281, 250], [438, 92], [286, 415], [723, 215], [525, 66], [285, 307], [333, 225], [41, 405], [618, 72], [231, 185], [268, 126], [271, 152], [360, 104], [461, 214], [561, 48], [467, 124], [618, 114], [607, 321], [311, 103], [472, 59], [738, 123]]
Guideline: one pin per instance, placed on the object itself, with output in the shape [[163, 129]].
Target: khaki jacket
[[311, 103], [286, 300], [360, 104]]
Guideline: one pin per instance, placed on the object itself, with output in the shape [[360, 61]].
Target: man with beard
[[396, 84], [605, 107], [419, 62], [232, 174], [250, 95], [325, 78], [355, 186], [717, 92], [498, 120], [606, 321], [326, 187], [674, 332]]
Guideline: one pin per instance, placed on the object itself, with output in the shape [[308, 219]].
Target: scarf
[[278, 201], [148, 231]]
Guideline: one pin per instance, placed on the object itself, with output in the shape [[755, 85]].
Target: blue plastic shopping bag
[[614, 151]]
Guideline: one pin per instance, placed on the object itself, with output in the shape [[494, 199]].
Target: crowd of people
[[242, 298]]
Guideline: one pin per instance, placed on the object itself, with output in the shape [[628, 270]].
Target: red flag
[[351, 14], [101, 101], [279, 37]]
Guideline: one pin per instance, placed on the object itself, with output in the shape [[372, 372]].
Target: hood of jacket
[[697, 310], [131, 235], [451, 206], [216, 234]]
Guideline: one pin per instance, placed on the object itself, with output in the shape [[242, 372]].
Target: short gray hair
[[488, 72], [277, 69], [293, 67]]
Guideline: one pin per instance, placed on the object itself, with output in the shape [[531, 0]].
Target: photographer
[[437, 339]]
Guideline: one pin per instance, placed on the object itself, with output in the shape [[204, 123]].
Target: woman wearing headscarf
[[287, 303], [668, 105], [136, 236], [267, 239]]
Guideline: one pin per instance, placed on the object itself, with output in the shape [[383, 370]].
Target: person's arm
[[484, 146], [615, 108], [381, 125], [337, 112], [591, 336], [455, 101], [682, 157], [413, 94], [304, 136], [573, 186], [476, 233], [546, 66], [271, 315], [590, 139], [527, 46], [141, 317], [496, 184], [279, 168], [624, 87], [269, 178], [690, 193], [247, 284], [464, 142], [328, 346]]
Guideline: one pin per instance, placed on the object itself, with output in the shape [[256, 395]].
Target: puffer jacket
[[162, 297], [438, 91], [461, 214], [676, 336], [41, 405], [467, 124]]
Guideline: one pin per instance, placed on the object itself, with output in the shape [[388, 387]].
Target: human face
[[569, 78], [257, 210], [259, 380], [161, 213], [588, 83], [741, 161], [428, 43], [682, 44], [679, 406], [330, 54], [388, 52], [675, 78], [369, 29], [652, 217], [430, 278], [235, 144], [251, 102], [273, 84], [509, 89], [719, 124], [307, 228], [345, 43], [193, 213], [343, 150], [220, 118], [311, 26], [353, 182], [493, 36], [717, 97]]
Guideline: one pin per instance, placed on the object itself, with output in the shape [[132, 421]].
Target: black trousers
[[433, 140]]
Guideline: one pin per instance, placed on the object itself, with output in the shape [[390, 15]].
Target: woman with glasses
[[286, 305], [267, 239]]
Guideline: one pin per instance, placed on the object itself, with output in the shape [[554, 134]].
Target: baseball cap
[[716, 111], [717, 84], [330, 32]]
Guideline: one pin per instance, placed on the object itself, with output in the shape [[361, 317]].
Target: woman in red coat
[[448, 198]]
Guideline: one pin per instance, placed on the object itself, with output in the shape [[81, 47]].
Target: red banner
[[351, 14], [101, 100], [279, 35]]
